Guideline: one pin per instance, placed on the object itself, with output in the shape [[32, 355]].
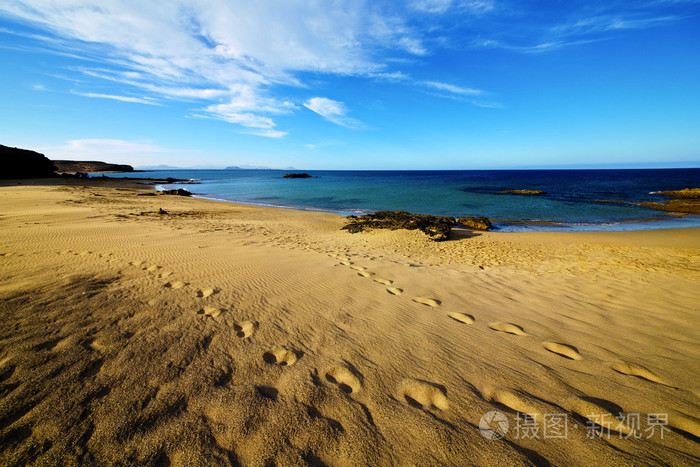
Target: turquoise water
[[570, 199]]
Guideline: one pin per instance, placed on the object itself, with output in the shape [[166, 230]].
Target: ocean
[[570, 202]]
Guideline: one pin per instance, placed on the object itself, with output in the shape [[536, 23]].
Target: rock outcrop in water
[[302, 175], [523, 192], [23, 163], [476, 223], [436, 227]]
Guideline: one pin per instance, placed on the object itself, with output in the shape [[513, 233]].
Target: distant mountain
[[90, 167], [23, 163]]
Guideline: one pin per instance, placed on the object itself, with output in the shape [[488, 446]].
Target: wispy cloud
[[453, 89], [576, 26], [333, 111], [136, 100]]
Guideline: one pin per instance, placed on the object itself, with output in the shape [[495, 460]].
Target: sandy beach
[[164, 330]]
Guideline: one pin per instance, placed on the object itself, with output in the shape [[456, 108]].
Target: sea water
[[573, 199]]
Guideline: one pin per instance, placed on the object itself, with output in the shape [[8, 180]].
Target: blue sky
[[422, 84]]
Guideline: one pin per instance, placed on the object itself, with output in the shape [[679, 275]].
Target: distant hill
[[23, 163], [90, 166]]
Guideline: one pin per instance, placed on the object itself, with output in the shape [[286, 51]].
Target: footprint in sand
[[346, 263], [358, 268], [461, 317], [175, 285], [153, 268], [244, 329], [365, 274], [426, 301], [163, 275], [211, 311], [280, 356], [344, 378], [423, 395], [632, 369], [383, 281], [508, 328], [204, 293], [513, 400], [136, 263], [394, 291], [563, 350], [594, 410]]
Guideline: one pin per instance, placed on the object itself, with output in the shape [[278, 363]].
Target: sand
[[221, 334]]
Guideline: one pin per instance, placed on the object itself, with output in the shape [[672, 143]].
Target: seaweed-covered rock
[[179, 192], [436, 227], [302, 175], [476, 223]]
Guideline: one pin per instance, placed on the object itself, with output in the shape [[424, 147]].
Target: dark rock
[[91, 166], [523, 192], [436, 227], [23, 163], [476, 223], [162, 211], [178, 192], [302, 175]]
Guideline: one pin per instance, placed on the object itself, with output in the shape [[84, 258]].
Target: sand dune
[[224, 334]]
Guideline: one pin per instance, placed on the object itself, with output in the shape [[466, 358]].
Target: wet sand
[[218, 334]]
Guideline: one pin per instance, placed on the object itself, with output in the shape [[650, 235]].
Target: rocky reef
[[436, 227], [686, 193], [301, 175], [23, 163]]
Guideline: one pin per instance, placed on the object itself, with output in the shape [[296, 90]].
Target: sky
[[354, 84]]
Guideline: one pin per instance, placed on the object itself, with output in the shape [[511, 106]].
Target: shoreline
[[681, 220], [143, 328]]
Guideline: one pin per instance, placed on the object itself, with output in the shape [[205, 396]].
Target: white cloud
[[212, 49], [333, 111]]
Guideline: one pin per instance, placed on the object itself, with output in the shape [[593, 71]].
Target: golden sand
[[220, 334]]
